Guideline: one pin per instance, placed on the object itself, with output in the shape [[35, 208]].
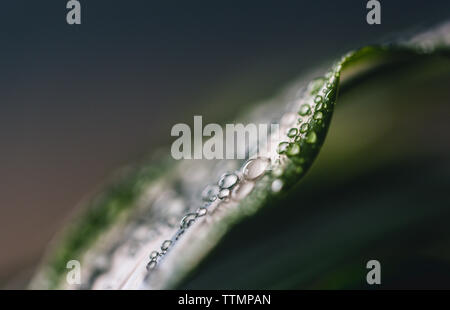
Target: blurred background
[[79, 101]]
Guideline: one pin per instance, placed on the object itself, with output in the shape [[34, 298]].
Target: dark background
[[78, 101]]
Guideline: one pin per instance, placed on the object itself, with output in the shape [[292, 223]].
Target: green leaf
[[311, 244]]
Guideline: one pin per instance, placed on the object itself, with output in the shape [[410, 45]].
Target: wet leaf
[[259, 223]]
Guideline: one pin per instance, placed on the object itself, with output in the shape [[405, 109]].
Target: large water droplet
[[228, 180], [255, 168]]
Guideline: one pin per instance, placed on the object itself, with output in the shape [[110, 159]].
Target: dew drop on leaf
[[293, 149], [255, 168], [311, 137], [282, 147], [224, 193], [166, 244], [151, 265], [154, 255], [187, 220], [202, 211], [292, 132], [304, 128], [318, 115], [228, 180], [304, 110]]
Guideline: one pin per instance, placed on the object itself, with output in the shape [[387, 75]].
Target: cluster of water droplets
[[312, 107], [161, 211], [230, 186], [174, 208], [300, 129]]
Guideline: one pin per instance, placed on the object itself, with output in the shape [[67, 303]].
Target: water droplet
[[294, 149], [165, 245], [151, 265], [292, 132], [154, 255], [297, 139], [277, 185], [255, 168], [318, 99], [187, 220], [318, 115], [228, 180], [224, 194], [210, 193], [202, 211], [304, 128], [311, 137], [304, 110], [282, 147]]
